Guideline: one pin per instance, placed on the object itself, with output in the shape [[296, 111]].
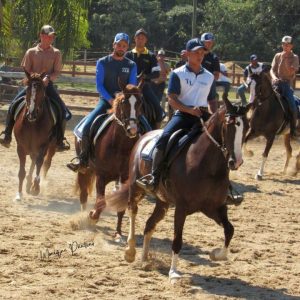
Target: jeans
[[241, 92], [179, 120], [100, 109], [287, 92]]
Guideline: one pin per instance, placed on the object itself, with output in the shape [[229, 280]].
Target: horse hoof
[[35, 191], [258, 177], [118, 238], [130, 255], [218, 254], [18, 197], [174, 276]]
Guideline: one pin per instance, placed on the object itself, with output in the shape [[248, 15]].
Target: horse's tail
[[86, 180], [118, 201]]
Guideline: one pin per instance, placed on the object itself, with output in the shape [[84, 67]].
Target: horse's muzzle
[[234, 164], [132, 130]]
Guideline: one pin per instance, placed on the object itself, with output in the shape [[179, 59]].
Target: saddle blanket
[[104, 121]]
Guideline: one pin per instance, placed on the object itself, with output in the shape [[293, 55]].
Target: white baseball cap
[[287, 39]]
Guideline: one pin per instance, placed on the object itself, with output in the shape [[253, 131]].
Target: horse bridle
[[231, 119], [126, 121]]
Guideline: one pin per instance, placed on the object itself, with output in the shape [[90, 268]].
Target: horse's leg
[[288, 150], [29, 176], [100, 201], [222, 217], [35, 188], [130, 249], [265, 154], [85, 182], [22, 172], [48, 159], [180, 217], [158, 214]]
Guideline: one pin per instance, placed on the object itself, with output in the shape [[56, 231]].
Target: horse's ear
[[43, 75], [227, 103], [121, 84]]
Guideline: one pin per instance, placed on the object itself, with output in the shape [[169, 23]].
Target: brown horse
[[34, 132], [269, 118], [196, 180], [112, 150]]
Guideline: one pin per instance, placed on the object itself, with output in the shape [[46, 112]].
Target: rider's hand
[[46, 80], [195, 111], [275, 81]]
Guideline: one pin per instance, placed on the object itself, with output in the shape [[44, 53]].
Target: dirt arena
[[263, 262]]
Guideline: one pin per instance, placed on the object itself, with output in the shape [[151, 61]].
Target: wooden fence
[[77, 72]]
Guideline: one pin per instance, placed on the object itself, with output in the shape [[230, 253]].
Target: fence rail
[[71, 74]]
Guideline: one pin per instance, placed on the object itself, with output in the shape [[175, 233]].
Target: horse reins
[[221, 147]]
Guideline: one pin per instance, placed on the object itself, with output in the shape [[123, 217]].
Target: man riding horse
[[285, 65], [110, 70], [43, 58]]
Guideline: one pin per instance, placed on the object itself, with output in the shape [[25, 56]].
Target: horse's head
[[128, 107], [263, 86], [35, 95], [234, 129]]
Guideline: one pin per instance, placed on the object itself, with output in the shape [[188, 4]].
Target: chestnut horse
[[269, 118], [197, 179], [112, 150], [34, 132]]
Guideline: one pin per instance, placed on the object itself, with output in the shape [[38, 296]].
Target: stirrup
[[147, 183], [77, 166]]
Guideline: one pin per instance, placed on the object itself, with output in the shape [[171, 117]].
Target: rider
[[147, 64], [189, 90], [211, 61], [284, 67], [40, 59], [254, 67], [109, 70]]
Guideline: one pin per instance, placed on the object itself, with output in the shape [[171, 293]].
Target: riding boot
[[150, 181], [82, 161], [62, 143], [10, 122]]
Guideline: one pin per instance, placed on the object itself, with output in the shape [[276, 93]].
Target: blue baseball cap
[[121, 37], [253, 57], [207, 36], [194, 44]]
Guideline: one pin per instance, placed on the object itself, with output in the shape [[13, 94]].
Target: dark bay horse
[[269, 118], [34, 132], [196, 180], [112, 150]]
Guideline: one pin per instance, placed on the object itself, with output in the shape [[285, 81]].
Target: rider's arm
[[274, 68], [133, 75], [100, 82], [173, 91], [216, 66], [57, 66]]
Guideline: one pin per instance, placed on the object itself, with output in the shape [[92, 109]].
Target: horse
[[35, 134], [269, 119], [112, 150], [197, 179]]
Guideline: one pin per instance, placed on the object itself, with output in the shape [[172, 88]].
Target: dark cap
[[47, 29], [194, 44], [207, 36], [141, 31], [253, 57]]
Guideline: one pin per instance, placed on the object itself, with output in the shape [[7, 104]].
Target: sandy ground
[[263, 262]]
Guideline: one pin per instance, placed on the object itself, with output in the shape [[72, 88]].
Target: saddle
[[177, 142]]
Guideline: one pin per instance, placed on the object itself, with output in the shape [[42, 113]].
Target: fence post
[[84, 59], [233, 73]]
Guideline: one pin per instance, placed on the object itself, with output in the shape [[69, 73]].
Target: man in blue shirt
[[109, 70], [189, 90]]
